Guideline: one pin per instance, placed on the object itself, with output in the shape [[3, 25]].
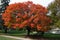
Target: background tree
[[3, 5], [27, 14], [54, 8]]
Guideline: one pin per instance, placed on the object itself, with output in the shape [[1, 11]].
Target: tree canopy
[[20, 15], [54, 7]]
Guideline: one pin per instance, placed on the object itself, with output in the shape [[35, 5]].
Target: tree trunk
[[28, 33], [40, 33], [6, 29], [28, 30]]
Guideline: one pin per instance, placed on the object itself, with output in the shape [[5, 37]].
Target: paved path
[[18, 38]]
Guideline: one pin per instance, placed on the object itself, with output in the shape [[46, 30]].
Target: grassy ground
[[23, 33], [4, 38]]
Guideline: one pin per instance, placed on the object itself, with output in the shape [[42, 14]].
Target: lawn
[[23, 33], [49, 35], [4, 38]]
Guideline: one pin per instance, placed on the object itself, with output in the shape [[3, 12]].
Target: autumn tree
[[26, 14]]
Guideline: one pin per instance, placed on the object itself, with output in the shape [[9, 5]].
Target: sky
[[41, 2]]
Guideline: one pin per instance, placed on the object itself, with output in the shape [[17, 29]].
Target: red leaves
[[19, 14], [32, 25], [25, 22], [6, 23], [18, 19], [15, 25], [39, 27], [26, 14]]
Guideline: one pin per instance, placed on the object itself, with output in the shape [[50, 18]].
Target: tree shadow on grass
[[39, 37]]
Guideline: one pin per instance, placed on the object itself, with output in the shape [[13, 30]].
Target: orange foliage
[[26, 14]]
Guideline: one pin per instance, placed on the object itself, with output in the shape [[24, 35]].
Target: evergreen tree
[[3, 5]]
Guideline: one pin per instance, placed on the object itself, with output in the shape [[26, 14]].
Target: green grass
[[49, 35], [15, 33], [4, 38], [23, 33]]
